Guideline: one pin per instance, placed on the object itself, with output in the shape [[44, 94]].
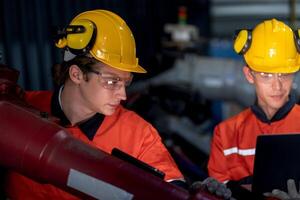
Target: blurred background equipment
[[182, 35]]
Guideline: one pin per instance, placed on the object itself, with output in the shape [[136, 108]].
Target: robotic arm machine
[[43, 151]]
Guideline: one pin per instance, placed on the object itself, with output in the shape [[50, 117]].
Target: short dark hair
[[61, 71]]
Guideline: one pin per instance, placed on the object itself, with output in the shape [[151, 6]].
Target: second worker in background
[[271, 53]]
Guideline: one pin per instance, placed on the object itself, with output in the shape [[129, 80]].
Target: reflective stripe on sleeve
[[243, 152]]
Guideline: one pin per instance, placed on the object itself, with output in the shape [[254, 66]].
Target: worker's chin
[[275, 105], [108, 111], [277, 101]]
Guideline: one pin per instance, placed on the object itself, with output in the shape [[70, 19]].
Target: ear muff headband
[[297, 39], [242, 41], [79, 37]]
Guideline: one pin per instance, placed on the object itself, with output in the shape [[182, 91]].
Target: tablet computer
[[277, 159]]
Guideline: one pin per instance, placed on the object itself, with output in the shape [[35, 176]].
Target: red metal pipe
[[43, 151]]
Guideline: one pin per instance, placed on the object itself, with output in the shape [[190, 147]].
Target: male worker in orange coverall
[[271, 54], [97, 68]]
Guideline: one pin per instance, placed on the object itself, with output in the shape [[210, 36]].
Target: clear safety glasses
[[268, 77], [111, 82]]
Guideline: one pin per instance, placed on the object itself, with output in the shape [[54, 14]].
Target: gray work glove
[[292, 194], [213, 186]]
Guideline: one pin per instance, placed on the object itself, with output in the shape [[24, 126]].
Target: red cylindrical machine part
[[43, 151]]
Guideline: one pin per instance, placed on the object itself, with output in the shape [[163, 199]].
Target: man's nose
[[121, 92], [276, 82]]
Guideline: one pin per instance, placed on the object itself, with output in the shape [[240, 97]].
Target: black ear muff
[[81, 36], [242, 41], [297, 39]]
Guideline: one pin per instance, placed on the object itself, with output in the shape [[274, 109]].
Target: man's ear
[[248, 75], [75, 74]]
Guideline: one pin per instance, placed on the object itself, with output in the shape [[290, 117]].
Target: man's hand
[[213, 186], [292, 194]]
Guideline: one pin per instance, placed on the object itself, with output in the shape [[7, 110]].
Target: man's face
[[105, 89], [272, 90]]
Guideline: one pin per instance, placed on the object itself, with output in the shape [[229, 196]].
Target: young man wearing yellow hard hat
[[98, 64], [271, 54], [99, 60]]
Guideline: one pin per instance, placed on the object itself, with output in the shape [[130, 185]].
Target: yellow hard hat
[[105, 36], [270, 47]]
